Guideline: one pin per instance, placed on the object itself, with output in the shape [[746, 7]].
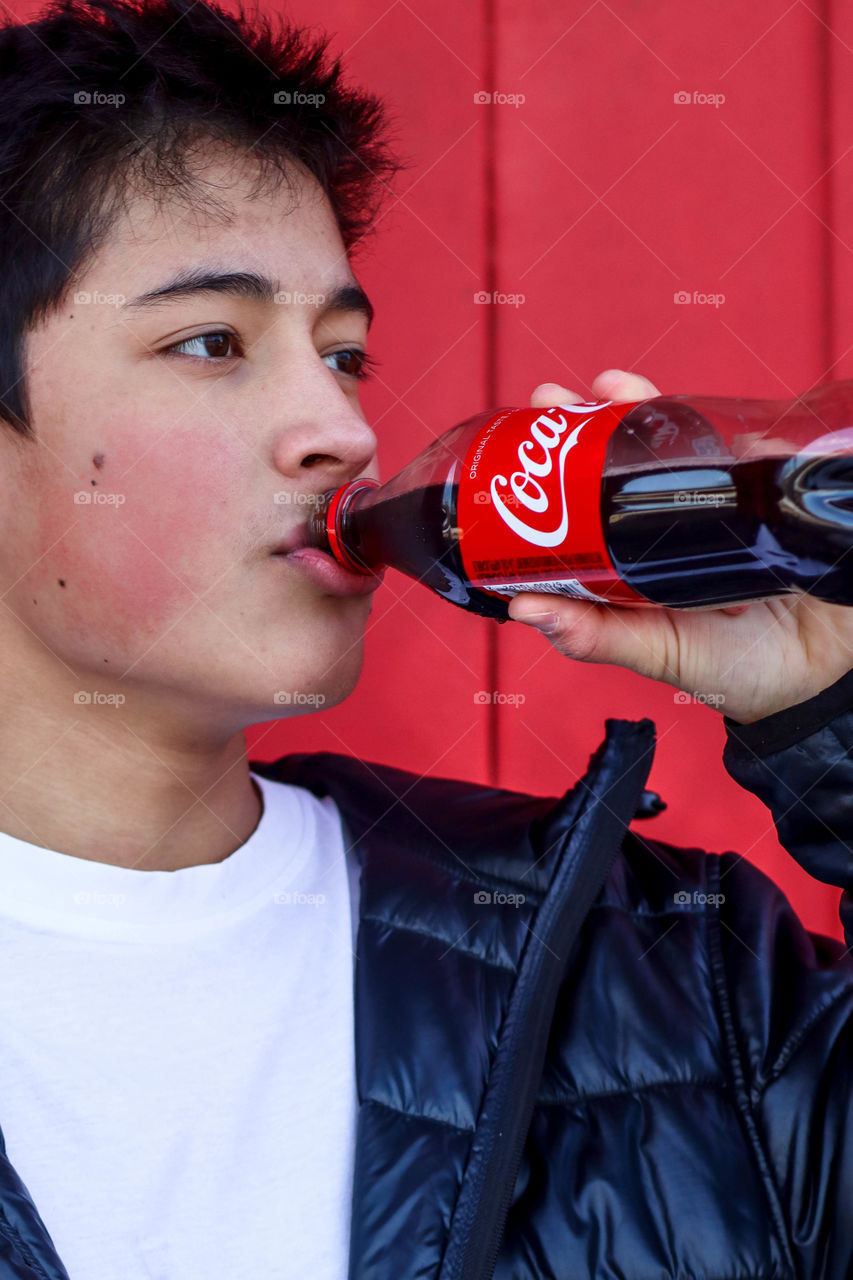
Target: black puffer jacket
[[657, 1085]]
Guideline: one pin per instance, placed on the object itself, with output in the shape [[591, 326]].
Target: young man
[[604, 1071]]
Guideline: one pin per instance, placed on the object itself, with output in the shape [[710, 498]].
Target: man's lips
[[325, 572], [321, 567]]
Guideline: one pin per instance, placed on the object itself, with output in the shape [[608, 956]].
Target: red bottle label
[[529, 504]]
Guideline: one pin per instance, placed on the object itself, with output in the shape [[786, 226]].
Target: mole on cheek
[[98, 460], [61, 582]]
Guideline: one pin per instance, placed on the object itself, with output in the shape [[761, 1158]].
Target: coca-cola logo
[[537, 462]]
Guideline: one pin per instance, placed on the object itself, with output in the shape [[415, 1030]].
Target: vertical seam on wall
[[825, 61], [490, 224]]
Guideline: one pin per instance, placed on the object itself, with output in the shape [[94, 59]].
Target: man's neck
[[103, 789]]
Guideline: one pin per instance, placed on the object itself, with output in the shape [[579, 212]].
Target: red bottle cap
[[337, 508]]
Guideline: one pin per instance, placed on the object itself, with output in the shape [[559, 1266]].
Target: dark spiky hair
[[104, 99]]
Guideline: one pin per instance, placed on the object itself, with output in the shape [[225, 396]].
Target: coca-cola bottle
[[675, 501]]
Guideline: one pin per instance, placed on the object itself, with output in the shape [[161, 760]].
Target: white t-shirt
[[177, 1067]]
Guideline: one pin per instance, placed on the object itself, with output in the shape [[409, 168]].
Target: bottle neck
[[331, 523]]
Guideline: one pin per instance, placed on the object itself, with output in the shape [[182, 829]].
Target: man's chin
[[305, 703], [294, 698]]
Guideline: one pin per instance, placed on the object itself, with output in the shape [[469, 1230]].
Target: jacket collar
[[437, 973]]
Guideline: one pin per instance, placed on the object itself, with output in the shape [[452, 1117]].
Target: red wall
[[598, 198]]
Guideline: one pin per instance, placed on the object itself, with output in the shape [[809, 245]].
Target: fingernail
[[547, 623], [612, 375]]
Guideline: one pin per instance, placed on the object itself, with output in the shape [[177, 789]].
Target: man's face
[[161, 570]]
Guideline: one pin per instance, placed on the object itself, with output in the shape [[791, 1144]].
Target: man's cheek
[[102, 584], [125, 565]]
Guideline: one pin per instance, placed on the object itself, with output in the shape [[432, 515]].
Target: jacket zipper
[[487, 1192]]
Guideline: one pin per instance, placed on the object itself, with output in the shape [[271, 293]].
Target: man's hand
[[747, 661]]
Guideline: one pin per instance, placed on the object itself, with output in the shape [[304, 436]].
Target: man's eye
[[213, 345], [355, 363]]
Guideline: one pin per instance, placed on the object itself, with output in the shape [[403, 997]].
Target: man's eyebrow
[[247, 284]]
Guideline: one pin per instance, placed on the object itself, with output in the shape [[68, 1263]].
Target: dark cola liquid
[[415, 532], [685, 533], [716, 530]]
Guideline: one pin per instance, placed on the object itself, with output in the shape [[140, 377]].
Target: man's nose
[[326, 444]]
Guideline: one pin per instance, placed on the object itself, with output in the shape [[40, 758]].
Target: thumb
[[619, 385], [548, 394], [643, 640]]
